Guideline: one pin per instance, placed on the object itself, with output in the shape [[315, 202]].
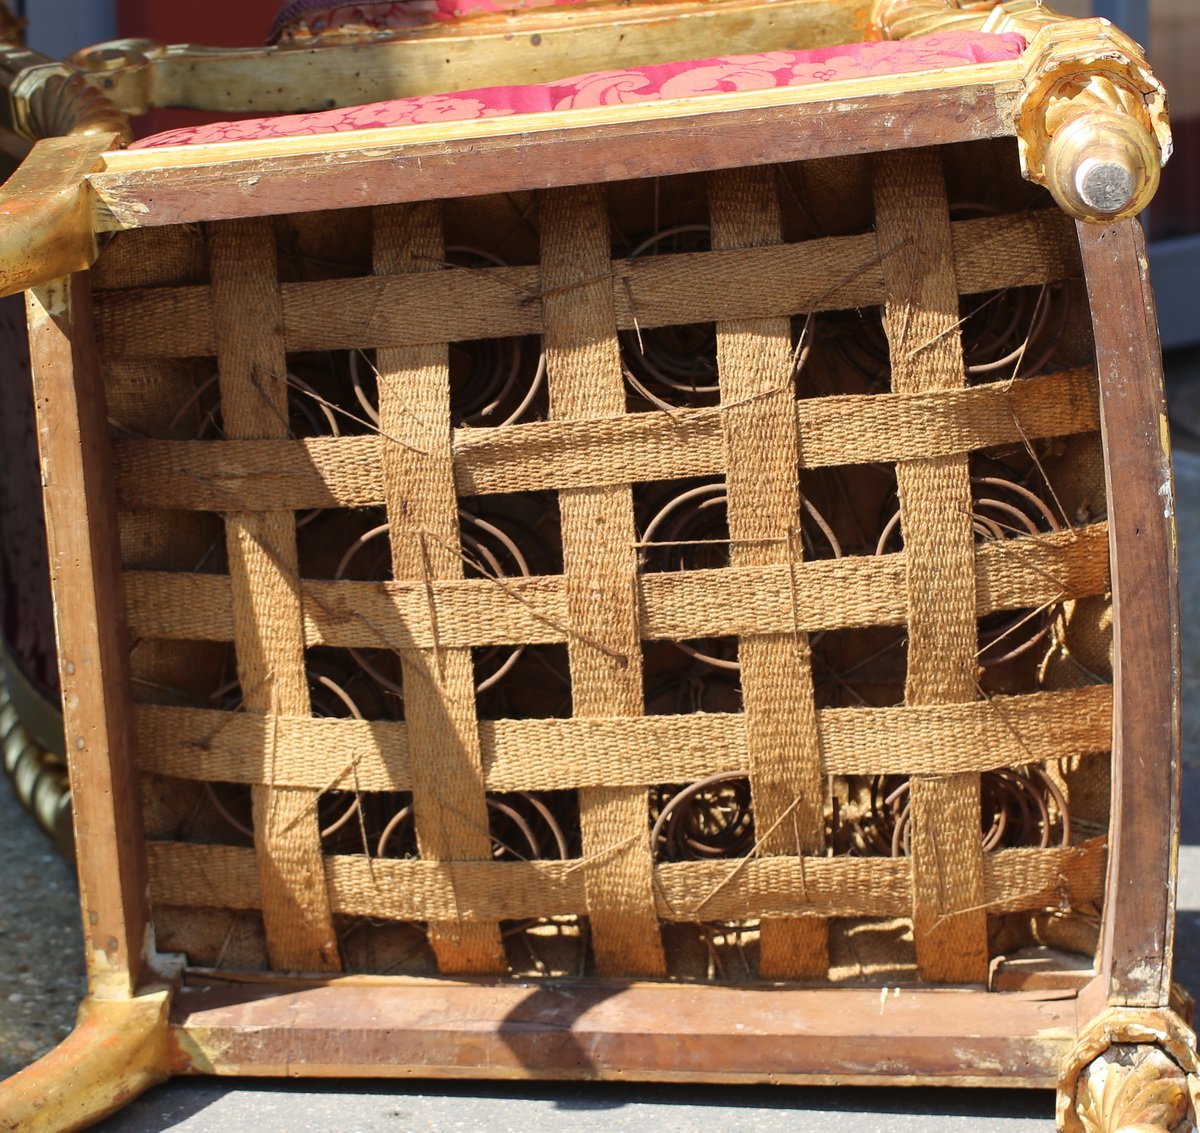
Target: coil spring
[[1001, 509], [1016, 811], [493, 382], [486, 548], [675, 367], [691, 532], [711, 818]]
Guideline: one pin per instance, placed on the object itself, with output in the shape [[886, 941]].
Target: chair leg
[[1133, 1071], [117, 1050]]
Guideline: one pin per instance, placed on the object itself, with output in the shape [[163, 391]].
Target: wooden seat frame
[[146, 1017]]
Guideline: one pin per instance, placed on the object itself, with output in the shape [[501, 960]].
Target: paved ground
[[1183, 393], [520, 1109], [41, 954], [40, 980]]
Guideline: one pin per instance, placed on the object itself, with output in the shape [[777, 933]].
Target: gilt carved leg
[[1133, 1088], [1132, 1072], [117, 1050]]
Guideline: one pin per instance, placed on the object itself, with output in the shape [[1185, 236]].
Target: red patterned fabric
[[764, 71]]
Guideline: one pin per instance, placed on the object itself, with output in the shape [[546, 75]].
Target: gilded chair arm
[[45, 218], [360, 65], [44, 98], [45, 212], [1092, 122]]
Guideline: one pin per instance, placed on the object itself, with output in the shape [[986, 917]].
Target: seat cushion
[[764, 71]]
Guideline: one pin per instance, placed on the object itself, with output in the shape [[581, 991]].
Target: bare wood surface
[[625, 1031], [143, 188], [93, 647], [1139, 913]]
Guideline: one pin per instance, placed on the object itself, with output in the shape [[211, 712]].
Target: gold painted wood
[[1133, 1089], [12, 28], [1092, 123], [43, 98], [491, 50], [46, 213], [1132, 1071], [38, 773], [117, 1050]]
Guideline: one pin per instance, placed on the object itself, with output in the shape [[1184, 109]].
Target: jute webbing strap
[[583, 370], [265, 579], [464, 304], [762, 458], [816, 595], [191, 875], [592, 453], [449, 804], [548, 754], [925, 345]]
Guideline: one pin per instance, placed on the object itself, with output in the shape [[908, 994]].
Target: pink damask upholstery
[[637, 84]]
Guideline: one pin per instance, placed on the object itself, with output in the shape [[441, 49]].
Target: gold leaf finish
[[1092, 122], [1134, 1089]]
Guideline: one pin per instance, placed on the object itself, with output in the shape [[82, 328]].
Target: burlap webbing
[[144, 395], [1016, 574], [1019, 879], [545, 755], [611, 753], [266, 603], [762, 458], [152, 257], [925, 345], [449, 803], [832, 274], [583, 372], [592, 453]]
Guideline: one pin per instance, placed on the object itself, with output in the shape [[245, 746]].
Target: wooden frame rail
[[157, 196], [221, 1024]]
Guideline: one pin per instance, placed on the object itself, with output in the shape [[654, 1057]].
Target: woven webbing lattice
[[368, 699]]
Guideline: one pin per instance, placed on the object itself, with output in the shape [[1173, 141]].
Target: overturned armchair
[[595, 540]]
